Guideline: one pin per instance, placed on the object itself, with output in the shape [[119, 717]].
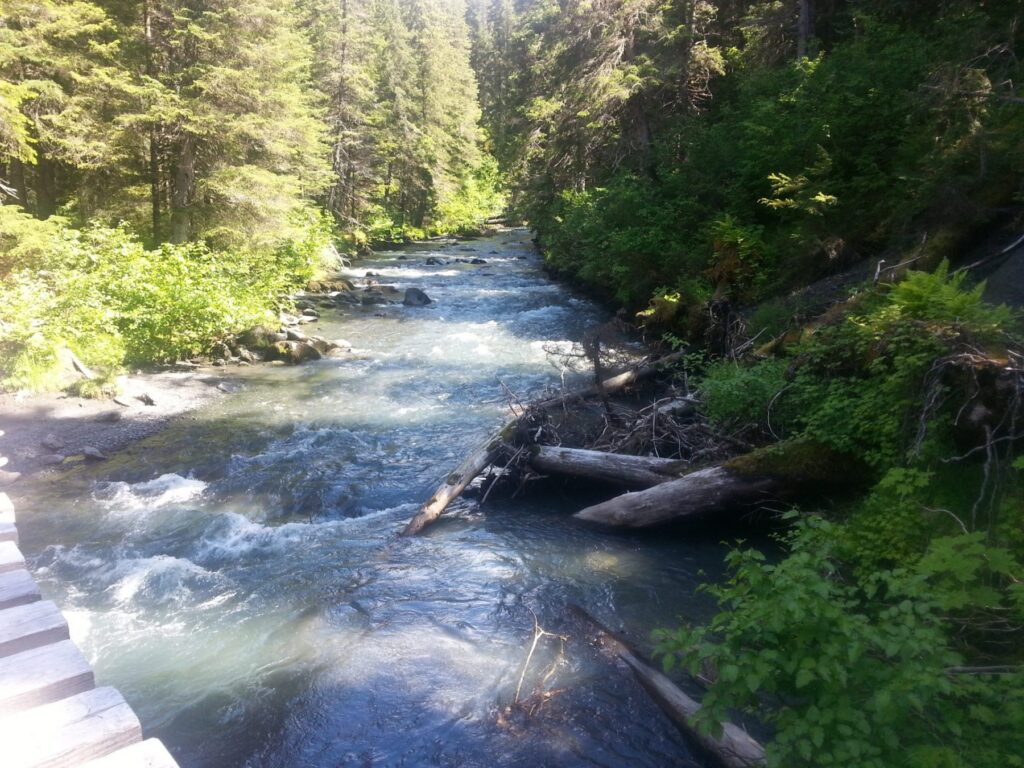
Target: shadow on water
[[240, 579]]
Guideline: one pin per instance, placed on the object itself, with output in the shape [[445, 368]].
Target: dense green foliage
[[846, 644], [689, 147], [176, 157]]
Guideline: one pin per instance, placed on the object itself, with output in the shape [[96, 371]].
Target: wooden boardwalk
[[52, 715]]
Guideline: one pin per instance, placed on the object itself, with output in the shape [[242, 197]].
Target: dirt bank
[[42, 429]]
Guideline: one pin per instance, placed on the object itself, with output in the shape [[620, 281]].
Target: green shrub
[[854, 672], [741, 396], [100, 293]]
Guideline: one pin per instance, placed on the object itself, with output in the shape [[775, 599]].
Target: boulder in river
[[414, 297], [329, 286], [433, 261], [478, 261], [260, 338], [294, 352]]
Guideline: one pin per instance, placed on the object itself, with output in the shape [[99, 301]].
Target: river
[[238, 576]]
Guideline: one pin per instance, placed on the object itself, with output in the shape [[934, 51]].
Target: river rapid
[[239, 577]]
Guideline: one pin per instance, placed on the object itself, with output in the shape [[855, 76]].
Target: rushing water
[[239, 579]]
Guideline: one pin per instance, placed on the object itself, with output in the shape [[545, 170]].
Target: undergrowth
[[891, 632]]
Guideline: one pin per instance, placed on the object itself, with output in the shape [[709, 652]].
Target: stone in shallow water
[[414, 297]]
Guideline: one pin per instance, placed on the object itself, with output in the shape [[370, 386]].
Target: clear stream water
[[238, 577]]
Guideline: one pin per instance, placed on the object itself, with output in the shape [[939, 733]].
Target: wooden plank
[[9, 532], [70, 731], [31, 626], [11, 558], [150, 753], [17, 588], [41, 675], [6, 509]]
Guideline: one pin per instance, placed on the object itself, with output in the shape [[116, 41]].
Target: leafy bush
[[100, 293], [856, 672], [736, 395]]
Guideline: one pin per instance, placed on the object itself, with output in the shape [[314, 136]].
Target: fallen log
[[486, 452], [705, 490], [616, 468], [777, 471], [735, 748]]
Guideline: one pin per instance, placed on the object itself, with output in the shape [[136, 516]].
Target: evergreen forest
[[171, 171]]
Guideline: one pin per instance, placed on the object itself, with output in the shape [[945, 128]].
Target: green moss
[[803, 461]]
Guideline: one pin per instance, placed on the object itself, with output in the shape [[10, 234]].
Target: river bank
[[46, 430]]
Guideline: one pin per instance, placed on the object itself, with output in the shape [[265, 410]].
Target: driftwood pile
[[671, 464]]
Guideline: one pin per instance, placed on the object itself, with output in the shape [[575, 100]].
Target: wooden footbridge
[[52, 715]]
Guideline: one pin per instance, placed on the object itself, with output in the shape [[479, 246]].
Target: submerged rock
[[52, 442], [414, 297], [433, 261]]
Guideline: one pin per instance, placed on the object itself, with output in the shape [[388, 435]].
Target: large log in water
[[485, 453], [735, 748], [705, 490], [615, 468], [782, 470]]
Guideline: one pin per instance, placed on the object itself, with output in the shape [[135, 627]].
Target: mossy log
[[734, 748], [778, 471], [486, 452], [615, 468]]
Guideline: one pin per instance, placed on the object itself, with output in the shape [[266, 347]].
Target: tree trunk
[[183, 191], [735, 748], [46, 186], [705, 490], [805, 28], [615, 468], [154, 130], [782, 470], [19, 183]]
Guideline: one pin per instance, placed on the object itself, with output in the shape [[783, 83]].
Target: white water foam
[[159, 579], [164, 490]]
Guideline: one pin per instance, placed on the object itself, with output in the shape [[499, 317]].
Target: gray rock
[[414, 297], [51, 459], [94, 454], [108, 417], [6, 478], [258, 338], [220, 351], [329, 286], [294, 335], [478, 261], [433, 261], [310, 312], [295, 352], [52, 442], [146, 399]]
